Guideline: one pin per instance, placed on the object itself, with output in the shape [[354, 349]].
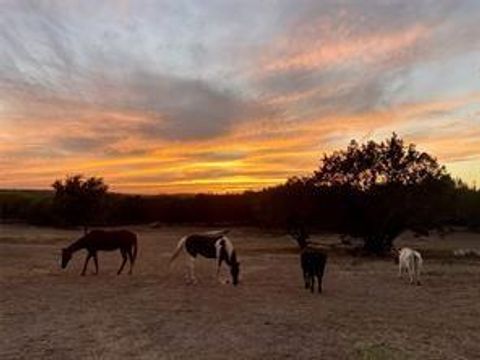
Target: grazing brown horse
[[101, 240]]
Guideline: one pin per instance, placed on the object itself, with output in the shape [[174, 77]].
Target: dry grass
[[365, 312]]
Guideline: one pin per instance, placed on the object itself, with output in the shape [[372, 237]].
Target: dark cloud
[[85, 144], [295, 80], [183, 108], [218, 155], [56, 64]]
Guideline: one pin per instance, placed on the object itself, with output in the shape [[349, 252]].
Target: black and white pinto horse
[[212, 245]]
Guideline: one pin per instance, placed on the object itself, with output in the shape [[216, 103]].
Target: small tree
[[78, 200], [386, 188]]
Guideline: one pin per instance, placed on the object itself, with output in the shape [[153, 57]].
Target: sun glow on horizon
[[244, 97]]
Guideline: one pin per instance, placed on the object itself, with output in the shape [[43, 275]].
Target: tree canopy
[[363, 166], [77, 200]]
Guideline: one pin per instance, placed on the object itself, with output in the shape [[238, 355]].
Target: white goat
[[410, 261]]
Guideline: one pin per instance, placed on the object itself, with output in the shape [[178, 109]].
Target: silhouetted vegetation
[[79, 201], [387, 188], [365, 166], [372, 191], [34, 207]]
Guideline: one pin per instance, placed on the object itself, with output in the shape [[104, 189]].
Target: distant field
[[366, 312], [24, 194]]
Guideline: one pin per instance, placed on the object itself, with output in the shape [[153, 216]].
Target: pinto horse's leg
[[191, 268], [219, 268], [124, 256], [220, 257], [95, 260], [87, 259]]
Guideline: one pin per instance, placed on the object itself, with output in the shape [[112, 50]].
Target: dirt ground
[[366, 312]]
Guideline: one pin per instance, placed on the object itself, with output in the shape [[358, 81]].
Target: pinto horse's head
[[235, 272], [66, 256]]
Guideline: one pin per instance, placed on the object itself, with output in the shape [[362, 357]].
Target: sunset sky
[[219, 96]]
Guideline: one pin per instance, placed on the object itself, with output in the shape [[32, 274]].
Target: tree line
[[373, 191]]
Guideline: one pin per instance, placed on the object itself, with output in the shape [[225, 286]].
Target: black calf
[[313, 265]]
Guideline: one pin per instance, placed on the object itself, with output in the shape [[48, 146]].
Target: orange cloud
[[367, 49], [253, 155]]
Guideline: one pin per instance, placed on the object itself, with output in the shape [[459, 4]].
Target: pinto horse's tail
[[178, 249]]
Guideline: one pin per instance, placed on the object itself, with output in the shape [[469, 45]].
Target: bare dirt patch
[[365, 312]]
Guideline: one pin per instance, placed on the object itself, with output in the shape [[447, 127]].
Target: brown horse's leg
[[124, 255], [130, 257], [95, 260], [87, 259]]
